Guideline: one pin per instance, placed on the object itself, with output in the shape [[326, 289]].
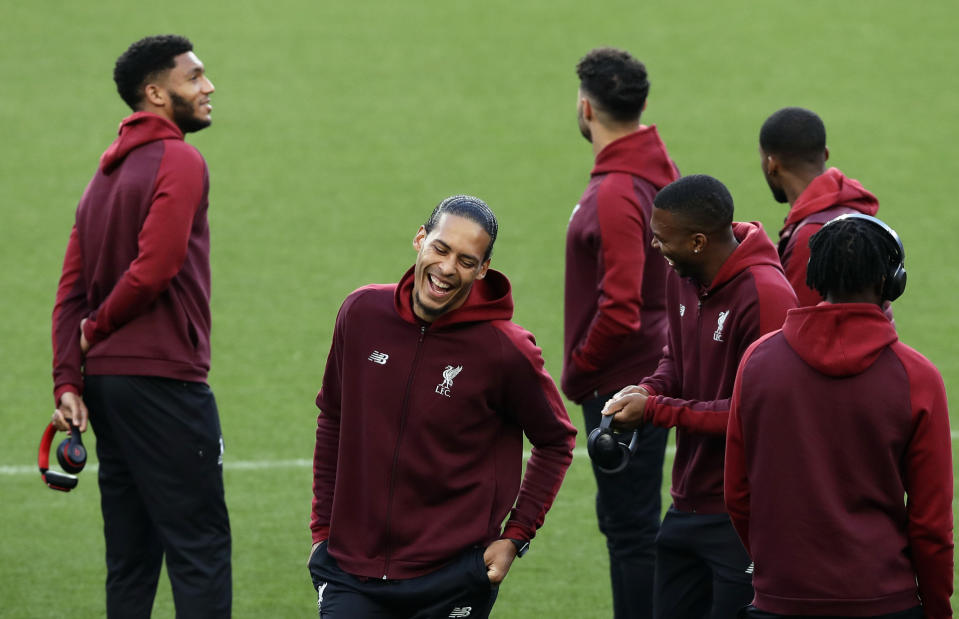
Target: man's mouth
[[437, 287]]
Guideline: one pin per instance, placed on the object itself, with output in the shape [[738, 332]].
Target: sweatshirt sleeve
[[772, 298], [161, 244], [929, 486], [327, 445], [623, 233], [536, 403], [735, 477], [70, 308], [795, 265]]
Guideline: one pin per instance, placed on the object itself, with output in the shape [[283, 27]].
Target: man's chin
[[192, 124]]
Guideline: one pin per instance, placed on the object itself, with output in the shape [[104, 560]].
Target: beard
[[583, 127], [779, 195], [184, 116]]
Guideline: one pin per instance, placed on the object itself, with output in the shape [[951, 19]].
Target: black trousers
[[458, 589], [629, 508], [161, 492], [702, 568], [754, 613]]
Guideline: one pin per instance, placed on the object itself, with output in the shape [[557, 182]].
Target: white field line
[[255, 465]]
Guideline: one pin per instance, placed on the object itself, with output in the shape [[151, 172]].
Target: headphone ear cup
[[71, 454], [605, 450], [60, 481], [895, 283]]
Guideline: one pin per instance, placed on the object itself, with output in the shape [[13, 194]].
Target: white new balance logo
[[461, 611], [378, 357]]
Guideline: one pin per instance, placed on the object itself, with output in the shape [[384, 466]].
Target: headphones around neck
[[71, 454], [605, 450], [895, 283]]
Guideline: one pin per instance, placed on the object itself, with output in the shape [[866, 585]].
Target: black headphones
[[604, 448], [895, 283], [71, 454]]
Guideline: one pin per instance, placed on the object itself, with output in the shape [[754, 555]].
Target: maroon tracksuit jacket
[[831, 194], [138, 263], [419, 443], [709, 330], [615, 308], [833, 422]]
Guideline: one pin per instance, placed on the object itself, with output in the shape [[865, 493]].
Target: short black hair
[[616, 81], [701, 199], [795, 134], [143, 61], [471, 208], [850, 256]]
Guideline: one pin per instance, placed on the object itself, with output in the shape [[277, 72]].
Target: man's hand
[[629, 407], [84, 344], [498, 557], [73, 409], [313, 550]]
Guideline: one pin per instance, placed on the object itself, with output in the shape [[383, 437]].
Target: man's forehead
[[187, 62]]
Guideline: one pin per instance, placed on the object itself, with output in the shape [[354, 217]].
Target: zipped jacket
[[137, 264], [833, 422], [419, 442], [615, 306]]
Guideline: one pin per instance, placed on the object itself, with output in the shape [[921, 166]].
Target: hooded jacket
[[615, 312], [833, 421], [829, 195], [419, 442], [137, 264], [709, 330]]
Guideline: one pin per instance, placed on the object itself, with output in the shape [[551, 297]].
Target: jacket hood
[[754, 249], [136, 130], [641, 153], [839, 339], [490, 298], [832, 188]]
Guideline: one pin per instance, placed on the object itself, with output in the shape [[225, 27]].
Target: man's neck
[[604, 136]]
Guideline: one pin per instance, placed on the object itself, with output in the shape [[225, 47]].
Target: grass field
[[337, 127]]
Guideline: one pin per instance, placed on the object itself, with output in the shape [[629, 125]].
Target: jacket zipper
[[396, 450]]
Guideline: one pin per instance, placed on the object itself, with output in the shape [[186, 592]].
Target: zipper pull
[[422, 335]]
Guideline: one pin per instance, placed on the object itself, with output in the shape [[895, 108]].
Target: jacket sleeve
[[929, 487], [161, 244], [623, 233], [534, 400], [773, 298], [795, 265], [735, 477], [70, 308], [326, 450]]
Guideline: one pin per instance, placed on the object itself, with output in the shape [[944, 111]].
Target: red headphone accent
[[71, 454]]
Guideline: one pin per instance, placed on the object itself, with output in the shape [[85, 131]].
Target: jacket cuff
[[59, 391], [514, 531], [321, 534], [89, 329]]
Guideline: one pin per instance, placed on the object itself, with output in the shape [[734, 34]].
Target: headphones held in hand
[[895, 283], [71, 454], [604, 448]]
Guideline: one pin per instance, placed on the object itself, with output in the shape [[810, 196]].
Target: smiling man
[[131, 341], [428, 390], [726, 288]]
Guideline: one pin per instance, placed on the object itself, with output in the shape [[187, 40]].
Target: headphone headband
[[895, 283]]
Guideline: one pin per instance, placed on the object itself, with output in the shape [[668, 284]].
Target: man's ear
[[483, 269], [587, 109], [772, 165], [418, 239], [155, 95], [699, 242], [826, 151]]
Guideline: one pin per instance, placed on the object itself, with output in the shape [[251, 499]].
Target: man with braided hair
[[428, 390], [833, 421]]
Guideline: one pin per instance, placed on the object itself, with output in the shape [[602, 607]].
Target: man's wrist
[[522, 546]]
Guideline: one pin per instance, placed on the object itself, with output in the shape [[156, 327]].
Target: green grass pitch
[[337, 127]]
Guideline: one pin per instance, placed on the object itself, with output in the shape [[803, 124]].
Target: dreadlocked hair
[[850, 256]]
